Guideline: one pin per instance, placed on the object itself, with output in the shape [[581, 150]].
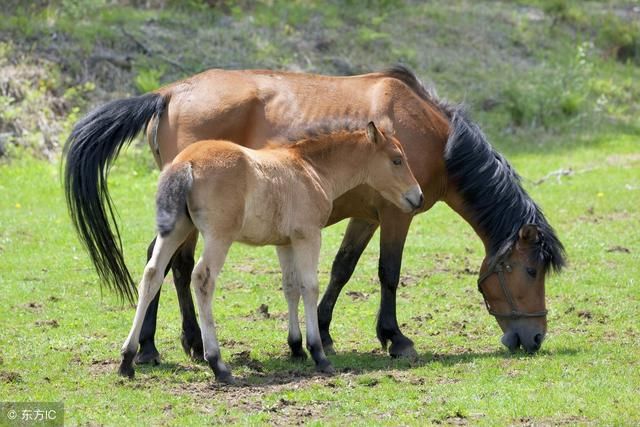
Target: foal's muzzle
[[414, 198]]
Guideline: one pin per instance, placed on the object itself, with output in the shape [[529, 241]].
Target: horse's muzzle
[[530, 342]]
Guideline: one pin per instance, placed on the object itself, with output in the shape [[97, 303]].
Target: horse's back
[[250, 106]]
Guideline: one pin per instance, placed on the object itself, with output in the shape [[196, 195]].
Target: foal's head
[[389, 172]]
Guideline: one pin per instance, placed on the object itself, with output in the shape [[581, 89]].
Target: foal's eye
[[531, 272], [397, 162]]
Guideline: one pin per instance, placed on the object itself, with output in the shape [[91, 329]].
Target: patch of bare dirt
[[247, 395], [50, 322], [9, 377], [619, 249], [553, 421], [355, 295], [592, 217]]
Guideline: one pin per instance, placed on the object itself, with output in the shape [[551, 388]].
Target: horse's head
[[389, 172], [512, 285]]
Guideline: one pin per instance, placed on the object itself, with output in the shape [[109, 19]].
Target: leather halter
[[499, 269]]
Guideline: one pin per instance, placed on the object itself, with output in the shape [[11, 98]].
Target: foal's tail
[[93, 145], [171, 200]]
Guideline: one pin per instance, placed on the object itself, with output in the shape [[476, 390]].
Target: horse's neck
[[455, 201], [337, 167]]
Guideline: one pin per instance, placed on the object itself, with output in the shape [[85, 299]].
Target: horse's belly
[[263, 219], [259, 231]]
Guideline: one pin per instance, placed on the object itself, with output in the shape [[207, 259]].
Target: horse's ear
[[529, 234], [373, 134]]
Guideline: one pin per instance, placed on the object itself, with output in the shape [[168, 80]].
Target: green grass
[[544, 78], [61, 336]]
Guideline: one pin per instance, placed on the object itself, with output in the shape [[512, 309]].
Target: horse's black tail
[[93, 145], [171, 200]]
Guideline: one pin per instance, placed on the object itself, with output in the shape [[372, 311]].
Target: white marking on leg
[[153, 276], [291, 289], [306, 254]]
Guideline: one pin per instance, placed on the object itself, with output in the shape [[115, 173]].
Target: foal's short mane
[[487, 182]]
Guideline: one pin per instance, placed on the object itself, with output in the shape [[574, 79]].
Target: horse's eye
[[397, 162], [531, 272]]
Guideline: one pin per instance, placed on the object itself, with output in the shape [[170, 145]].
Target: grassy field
[[554, 85], [61, 337]]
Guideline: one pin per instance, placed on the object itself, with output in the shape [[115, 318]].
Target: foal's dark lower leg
[[356, 238], [393, 232]]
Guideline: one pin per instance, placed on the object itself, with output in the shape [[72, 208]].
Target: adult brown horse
[[448, 154]]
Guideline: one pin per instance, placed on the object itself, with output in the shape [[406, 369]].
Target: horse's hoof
[[403, 351], [126, 371], [148, 358], [192, 346], [328, 349], [299, 356], [325, 367]]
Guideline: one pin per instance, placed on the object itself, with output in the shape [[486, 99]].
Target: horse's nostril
[[538, 339]]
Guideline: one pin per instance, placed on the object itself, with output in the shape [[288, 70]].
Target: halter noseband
[[499, 269]]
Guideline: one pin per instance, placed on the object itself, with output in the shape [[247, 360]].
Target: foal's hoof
[[325, 367], [403, 349], [148, 357], [193, 346]]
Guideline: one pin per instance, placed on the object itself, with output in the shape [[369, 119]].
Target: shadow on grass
[[281, 370]]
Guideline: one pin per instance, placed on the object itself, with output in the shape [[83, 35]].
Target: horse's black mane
[[488, 184]]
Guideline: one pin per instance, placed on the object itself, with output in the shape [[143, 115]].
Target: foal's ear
[[373, 134], [529, 234]]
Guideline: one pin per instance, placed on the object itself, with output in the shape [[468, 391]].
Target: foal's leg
[[148, 352], [305, 254], [204, 282], [394, 226], [150, 284], [182, 267], [291, 288], [355, 240]]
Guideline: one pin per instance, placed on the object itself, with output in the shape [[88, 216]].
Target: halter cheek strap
[[499, 269]]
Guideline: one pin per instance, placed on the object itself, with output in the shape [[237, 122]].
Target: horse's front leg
[[355, 240], [394, 226]]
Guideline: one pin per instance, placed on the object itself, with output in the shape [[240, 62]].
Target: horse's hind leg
[[149, 286], [204, 283], [291, 288], [182, 267], [356, 238], [394, 227], [305, 254]]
